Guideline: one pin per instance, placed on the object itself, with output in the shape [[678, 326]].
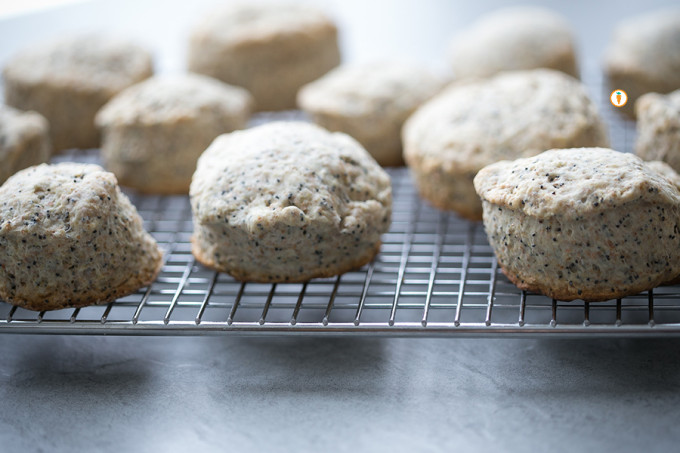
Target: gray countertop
[[326, 394], [61, 393]]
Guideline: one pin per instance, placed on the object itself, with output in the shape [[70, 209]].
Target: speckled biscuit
[[666, 171], [511, 39], [644, 56], [269, 49], [67, 80], [287, 202], [70, 238], [23, 141], [658, 128], [154, 132], [472, 124], [589, 223], [370, 102]]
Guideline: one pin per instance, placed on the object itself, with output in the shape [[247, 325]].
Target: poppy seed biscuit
[[154, 132], [68, 80], [644, 56], [23, 141], [658, 128], [512, 39], [70, 238], [666, 171], [269, 49], [473, 124], [370, 102], [287, 202], [589, 223]]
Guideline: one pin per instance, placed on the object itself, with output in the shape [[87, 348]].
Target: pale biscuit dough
[[154, 132], [70, 238], [370, 102], [472, 124], [644, 56], [511, 39], [24, 140], [287, 202], [658, 128], [67, 80], [269, 49], [665, 170], [589, 223]]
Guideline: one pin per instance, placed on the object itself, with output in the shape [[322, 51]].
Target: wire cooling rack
[[435, 276]]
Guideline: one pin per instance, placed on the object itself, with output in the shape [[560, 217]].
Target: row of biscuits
[[287, 202], [279, 54], [264, 200], [282, 202]]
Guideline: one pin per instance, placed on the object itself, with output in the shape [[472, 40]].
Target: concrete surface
[[288, 394]]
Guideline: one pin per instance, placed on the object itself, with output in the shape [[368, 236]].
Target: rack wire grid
[[435, 276]]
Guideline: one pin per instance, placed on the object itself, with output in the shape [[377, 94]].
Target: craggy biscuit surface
[[588, 223], [286, 202], [70, 238], [473, 124]]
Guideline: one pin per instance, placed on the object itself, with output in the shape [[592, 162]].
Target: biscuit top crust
[[648, 43], [573, 182], [362, 89], [659, 105], [17, 124], [515, 114], [85, 62], [537, 34], [289, 172], [665, 170], [252, 23], [168, 98], [57, 199], [67, 199]]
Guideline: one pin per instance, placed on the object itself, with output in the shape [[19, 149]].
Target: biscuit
[[370, 102], [475, 123], [666, 171], [70, 238], [643, 56], [287, 202], [67, 80], [154, 132], [269, 49], [589, 223], [512, 39], [658, 128], [24, 141]]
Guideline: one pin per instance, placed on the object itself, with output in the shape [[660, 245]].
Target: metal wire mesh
[[435, 275]]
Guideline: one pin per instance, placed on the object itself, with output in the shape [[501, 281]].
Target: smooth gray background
[[325, 394], [68, 394]]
